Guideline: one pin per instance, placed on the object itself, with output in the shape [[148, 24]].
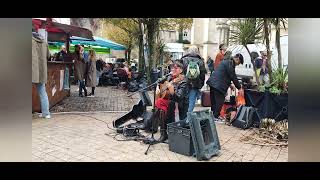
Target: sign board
[[44, 34]]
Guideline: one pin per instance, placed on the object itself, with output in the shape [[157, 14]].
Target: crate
[[180, 139]]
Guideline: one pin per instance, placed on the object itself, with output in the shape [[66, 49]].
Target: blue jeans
[[44, 101], [82, 86], [194, 95], [98, 77]]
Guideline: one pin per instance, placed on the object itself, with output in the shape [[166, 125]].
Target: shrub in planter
[[270, 101]]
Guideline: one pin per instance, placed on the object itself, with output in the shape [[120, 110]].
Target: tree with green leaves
[[120, 36], [276, 22], [124, 31], [246, 31], [138, 28], [179, 24]]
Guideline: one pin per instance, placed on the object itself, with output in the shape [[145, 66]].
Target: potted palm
[[271, 101]]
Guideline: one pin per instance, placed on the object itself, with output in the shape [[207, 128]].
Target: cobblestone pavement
[[82, 136], [71, 137], [106, 99]]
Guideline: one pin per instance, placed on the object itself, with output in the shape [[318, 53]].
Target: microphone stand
[[151, 85], [151, 140]]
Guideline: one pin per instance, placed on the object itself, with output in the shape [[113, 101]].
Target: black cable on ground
[[128, 137], [101, 121]]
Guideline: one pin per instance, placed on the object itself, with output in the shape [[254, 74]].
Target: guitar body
[[163, 88], [164, 92]]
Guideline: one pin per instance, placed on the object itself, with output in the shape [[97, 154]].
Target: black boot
[[155, 121], [164, 135], [85, 91], [163, 128]]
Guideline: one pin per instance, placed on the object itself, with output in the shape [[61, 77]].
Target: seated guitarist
[[177, 92]]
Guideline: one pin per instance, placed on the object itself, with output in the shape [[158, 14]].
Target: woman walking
[[91, 75]]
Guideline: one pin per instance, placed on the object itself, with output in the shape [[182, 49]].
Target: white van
[[246, 69], [175, 49], [284, 52]]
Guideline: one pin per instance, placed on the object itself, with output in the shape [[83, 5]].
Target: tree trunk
[[151, 43], [180, 34], [128, 55], [141, 50], [254, 67], [266, 36], [278, 43], [152, 27]]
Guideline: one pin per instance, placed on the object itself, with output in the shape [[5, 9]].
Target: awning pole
[[68, 43]]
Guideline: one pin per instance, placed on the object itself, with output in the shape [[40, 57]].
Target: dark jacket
[[221, 78], [210, 64], [99, 65], [199, 82], [258, 62], [61, 56]]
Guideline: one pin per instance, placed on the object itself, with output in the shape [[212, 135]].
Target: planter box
[[268, 105]]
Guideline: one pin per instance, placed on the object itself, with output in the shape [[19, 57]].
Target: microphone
[[164, 78]]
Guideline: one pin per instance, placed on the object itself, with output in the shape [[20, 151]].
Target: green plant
[[280, 80], [275, 90], [247, 31], [277, 23], [261, 88]]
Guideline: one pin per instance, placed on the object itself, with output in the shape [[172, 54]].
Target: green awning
[[56, 46]]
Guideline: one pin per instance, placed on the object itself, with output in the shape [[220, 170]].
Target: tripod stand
[[154, 124]]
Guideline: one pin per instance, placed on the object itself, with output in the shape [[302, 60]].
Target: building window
[[169, 34], [185, 34]]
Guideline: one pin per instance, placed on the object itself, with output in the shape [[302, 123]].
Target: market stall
[[58, 86]]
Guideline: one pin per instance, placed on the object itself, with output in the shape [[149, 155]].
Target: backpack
[[133, 86], [244, 117], [193, 70]]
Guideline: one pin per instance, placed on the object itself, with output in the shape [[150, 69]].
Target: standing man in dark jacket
[[220, 81], [196, 81]]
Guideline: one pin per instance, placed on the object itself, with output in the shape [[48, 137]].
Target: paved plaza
[[83, 137]]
